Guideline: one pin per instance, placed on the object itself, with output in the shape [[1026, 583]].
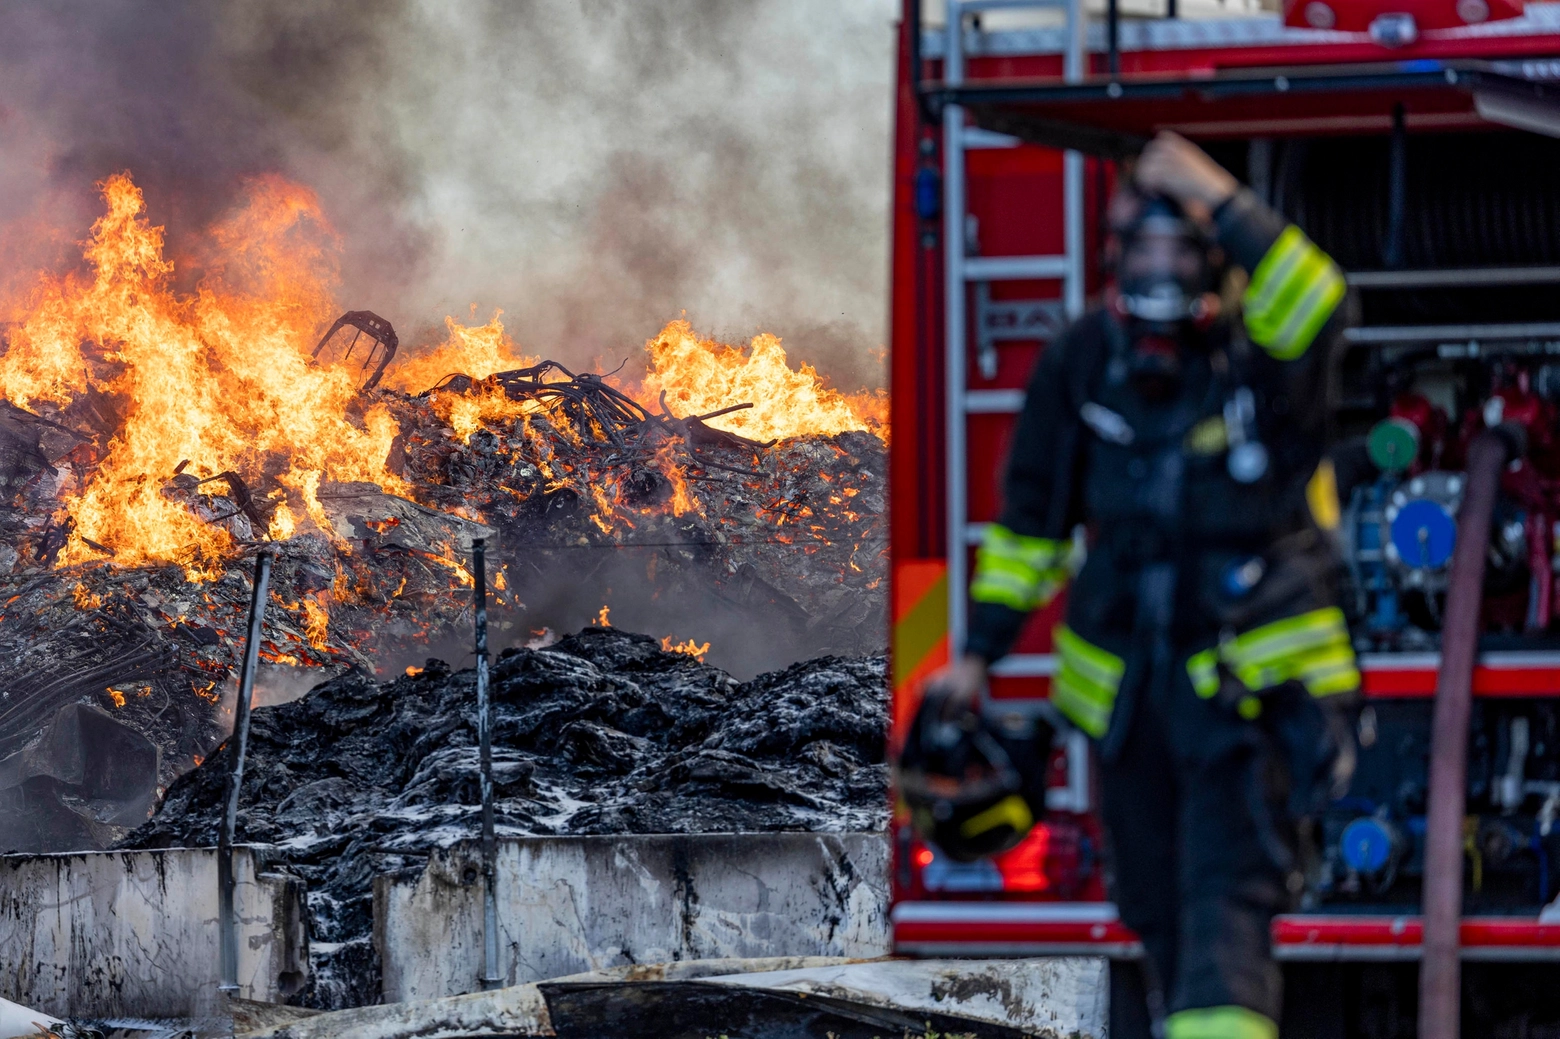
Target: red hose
[[1440, 973]]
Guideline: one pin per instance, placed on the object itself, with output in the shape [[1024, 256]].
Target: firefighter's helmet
[[975, 786]]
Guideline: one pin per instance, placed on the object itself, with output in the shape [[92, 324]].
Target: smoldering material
[[601, 733]]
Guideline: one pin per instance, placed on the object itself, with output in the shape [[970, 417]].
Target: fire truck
[[1414, 141]]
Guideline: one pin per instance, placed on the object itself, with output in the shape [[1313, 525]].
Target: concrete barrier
[[573, 904], [133, 934]]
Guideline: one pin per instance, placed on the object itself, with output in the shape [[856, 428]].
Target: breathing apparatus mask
[[1164, 298]]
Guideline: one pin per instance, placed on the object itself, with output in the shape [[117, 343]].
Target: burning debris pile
[[150, 441], [603, 732]]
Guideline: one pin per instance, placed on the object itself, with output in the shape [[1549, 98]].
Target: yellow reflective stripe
[[1308, 630], [1308, 316], [1346, 680], [1329, 673], [1283, 287], [1203, 669], [1091, 717], [1101, 665], [1008, 590], [1010, 811], [1019, 572], [1313, 647], [1258, 677], [1228, 1022], [1307, 272], [1292, 293], [1035, 553], [1274, 269], [1290, 650], [1085, 686]]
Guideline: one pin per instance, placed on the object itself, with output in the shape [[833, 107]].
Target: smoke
[[593, 169]]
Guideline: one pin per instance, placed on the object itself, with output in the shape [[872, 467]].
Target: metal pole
[[491, 978], [955, 331], [1073, 69], [1113, 37], [1397, 189], [226, 883]]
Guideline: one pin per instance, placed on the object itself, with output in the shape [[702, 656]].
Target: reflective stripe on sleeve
[[1084, 688], [1228, 1022], [1203, 669], [1019, 572], [1294, 290], [1313, 647]]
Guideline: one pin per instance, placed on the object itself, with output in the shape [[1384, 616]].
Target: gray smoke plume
[[593, 168]]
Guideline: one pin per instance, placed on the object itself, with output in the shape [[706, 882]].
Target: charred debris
[[113, 677], [603, 732]]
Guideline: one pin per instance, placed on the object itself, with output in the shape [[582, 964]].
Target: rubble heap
[[577, 489], [603, 732]]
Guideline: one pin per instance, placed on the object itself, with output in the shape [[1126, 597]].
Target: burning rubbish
[[152, 440], [603, 732]]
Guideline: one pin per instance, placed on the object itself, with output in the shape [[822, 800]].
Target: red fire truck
[[1414, 140]]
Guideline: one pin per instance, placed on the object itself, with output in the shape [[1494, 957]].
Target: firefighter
[[1173, 440]]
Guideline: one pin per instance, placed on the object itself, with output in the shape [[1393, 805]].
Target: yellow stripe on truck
[[922, 626]]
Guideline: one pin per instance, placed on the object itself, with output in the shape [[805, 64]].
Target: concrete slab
[[573, 904], [133, 934], [1049, 996]]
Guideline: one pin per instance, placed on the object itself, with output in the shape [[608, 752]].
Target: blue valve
[[1367, 845]]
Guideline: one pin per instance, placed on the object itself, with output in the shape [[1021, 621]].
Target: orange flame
[[682, 501], [603, 619], [478, 351], [221, 378], [316, 622], [687, 648], [700, 375]]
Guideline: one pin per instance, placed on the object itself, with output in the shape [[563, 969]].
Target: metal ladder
[[962, 270]]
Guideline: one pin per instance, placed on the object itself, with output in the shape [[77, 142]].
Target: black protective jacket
[[1150, 483]]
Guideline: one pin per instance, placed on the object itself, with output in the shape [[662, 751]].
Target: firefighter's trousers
[[1198, 843]]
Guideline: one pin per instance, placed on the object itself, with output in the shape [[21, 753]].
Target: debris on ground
[[603, 732], [787, 536]]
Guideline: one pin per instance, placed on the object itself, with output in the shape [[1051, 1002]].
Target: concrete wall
[[134, 934], [572, 904]]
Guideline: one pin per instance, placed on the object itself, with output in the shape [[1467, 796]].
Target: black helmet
[[974, 786]]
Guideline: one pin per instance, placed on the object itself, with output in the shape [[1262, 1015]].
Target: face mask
[[1163, 295]]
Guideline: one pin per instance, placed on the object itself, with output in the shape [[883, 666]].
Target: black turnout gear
[[1203, 647]]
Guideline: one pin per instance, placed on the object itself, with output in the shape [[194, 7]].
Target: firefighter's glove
[[1316, 737]]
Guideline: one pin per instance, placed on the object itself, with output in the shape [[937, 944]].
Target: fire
[[219, 379], [85, 598], [687, 648], [316, 622], [603, 619], [681, 502], [478, 351], [700, 375], [190, 397]]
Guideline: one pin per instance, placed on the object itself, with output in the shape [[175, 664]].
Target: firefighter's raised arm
[[1294, 288]]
